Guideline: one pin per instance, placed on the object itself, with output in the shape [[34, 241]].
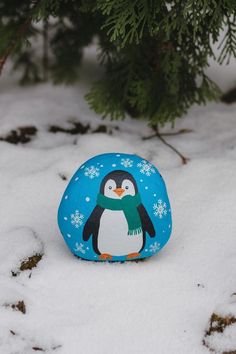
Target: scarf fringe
[[135, 231]]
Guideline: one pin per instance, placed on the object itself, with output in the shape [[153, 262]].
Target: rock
[[115, 208]]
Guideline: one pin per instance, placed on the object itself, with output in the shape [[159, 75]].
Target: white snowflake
[[153, 248], [146, 168], [79, 247], [91, 172], [77, 219], [127, 162], [159, 209]]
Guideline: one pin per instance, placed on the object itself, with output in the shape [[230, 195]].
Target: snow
[[162, 305]]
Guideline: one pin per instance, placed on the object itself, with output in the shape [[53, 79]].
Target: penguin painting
[[119, 222]]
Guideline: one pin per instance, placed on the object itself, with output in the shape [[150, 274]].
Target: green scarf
[[128, 205]]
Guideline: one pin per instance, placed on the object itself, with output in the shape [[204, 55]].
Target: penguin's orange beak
[[119, 191]]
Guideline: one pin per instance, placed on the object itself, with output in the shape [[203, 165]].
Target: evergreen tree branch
[[153, 52], [45, 50], [19, 34]]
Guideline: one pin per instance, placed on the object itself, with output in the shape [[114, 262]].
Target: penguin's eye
[[126, 187], [110, 187]]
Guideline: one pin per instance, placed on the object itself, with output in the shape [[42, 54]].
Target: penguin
[[119, 222]]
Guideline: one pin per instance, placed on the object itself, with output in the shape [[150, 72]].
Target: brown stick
[[160, 136], [179, 132], [21, 31], [183, 158]]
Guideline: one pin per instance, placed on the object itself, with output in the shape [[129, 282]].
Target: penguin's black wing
[[147, 224], [91, 227]]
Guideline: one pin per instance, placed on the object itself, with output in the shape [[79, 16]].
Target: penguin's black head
[[118, 184]]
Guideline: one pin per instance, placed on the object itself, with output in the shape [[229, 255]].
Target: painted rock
[[115, 208]]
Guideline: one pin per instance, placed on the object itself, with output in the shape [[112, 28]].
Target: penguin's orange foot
[[105, 257], [133, 255]]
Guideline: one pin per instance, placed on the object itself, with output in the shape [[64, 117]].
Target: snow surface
[[159, 306]]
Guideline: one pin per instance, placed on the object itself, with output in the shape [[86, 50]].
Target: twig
[[160, 136], [179, 132], [21, 31], [183, 158]]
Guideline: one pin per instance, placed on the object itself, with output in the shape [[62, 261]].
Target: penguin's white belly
[[113, 235]]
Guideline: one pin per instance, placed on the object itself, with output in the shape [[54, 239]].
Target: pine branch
[[45, 50], [20, 33], [228, 43]]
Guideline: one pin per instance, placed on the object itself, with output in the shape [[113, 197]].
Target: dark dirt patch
[[200, 286], [28, 264], [229, 97], [31, 262], [80, 128], [102, 128], [56, 347], [218, 324], [21, 135], [18, 306], [38, 349], [63, 177], [77, 128]]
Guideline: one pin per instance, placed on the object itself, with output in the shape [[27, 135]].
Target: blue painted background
[[79, 200]]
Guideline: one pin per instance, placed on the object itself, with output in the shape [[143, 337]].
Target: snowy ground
[[159, 306]]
